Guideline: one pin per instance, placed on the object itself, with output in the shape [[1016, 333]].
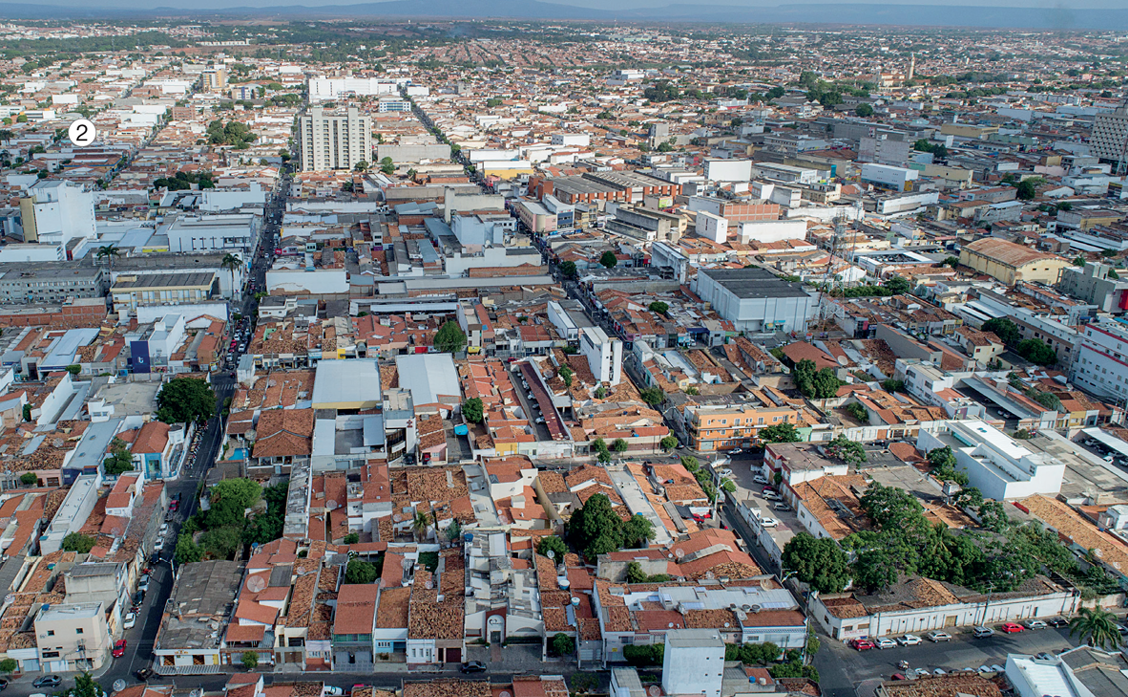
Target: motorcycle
[[903, 665]]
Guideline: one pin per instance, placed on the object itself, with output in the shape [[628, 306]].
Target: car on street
[[982, 632], [939, 671], [862, 644], [48, 681], [898, 676], [1011, 628], [1036, 624], [939, 636], [984, 669], [3, 683], [886, 643], [173, 506], [922, 671], [119, 649], [996, 668], [760, 479], [143, 585], [782, 507], [735, 451], [1043, 656], [130, 620], [768, 522], [473, 667], [334, 691], [1058, 622], [726, 473], [909, 640], [772, 496]]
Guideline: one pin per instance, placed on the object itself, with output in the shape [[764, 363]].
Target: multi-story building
[[756, 300], [1110, 138], [604, 355], [55, 212], [1100, 361], [183, 288], [335, 140], [214, 79], [726, 426], [693, 662], [72, 637], [51, 282]]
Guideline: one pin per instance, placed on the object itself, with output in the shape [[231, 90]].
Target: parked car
[[143, 584], [982, 632], [47, 681], [119, 649], [735, 451], [939, 671], [473, 667], [922, 671], [898, 676], [1036, 624], [769, 522], [939, 636], [145, 674], [910, 640], [886, 643], [996, 668], [130, 620], [782, 507], [727, 473], [1043, 656], [173, 506], [1059, 622], [760, 479], [772, 496], [862, 644], [334, 691], [984, 669], [164, 529], [3, 683], [1012, 628]]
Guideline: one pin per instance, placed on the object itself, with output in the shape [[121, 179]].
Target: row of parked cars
[[939, 635]]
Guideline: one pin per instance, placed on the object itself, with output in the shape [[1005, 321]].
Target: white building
[[55, 212], [236, 231], [693, 662], [328, 89], [712, 227], [333, 141], [999, 466], [766, 231], [897, 178], [604, 355], [318, 282], [756, 300], [728, 170], [1100, 361], [1110, 138], [581, 140]]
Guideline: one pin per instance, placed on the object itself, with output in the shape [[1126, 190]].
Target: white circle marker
[[82, 132]]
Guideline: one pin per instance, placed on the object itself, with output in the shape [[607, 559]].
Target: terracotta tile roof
[[284, 433], [152, 438], [356, 609], [392, 612], [953, 685]]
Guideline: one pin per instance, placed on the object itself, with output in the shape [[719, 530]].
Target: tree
[[609, 260], [493, 102], [891, 385], [848, 451], [450, 338], [653, 395], [1079, 261], [8, 665], [77, 542], [659, 307], [566, 375], [473, 410], [187, 551], [568, 268], [86, 686], [222, 542], [1037, 351], [1003, 328], [1026, 190], [29, 479], [1097, 627], [596, 528], [779, 433], [362, 165], [185, 400], [243, 493], [421, 523], [619, 445], [231, 262], [110, 252], [562, 645], [362, 572], [553, 544], [249, 659], [644, 654], [120, 460], [863, 110], [668, 443], [387, 166], [818, 562], [637, 530], [898, 285], [352, 538], [600, 392]]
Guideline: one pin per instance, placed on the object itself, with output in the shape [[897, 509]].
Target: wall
[[326, 281]]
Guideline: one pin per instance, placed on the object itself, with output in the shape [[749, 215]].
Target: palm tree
[[421, 523], [1097, 626], [109, 251], [231, 262]]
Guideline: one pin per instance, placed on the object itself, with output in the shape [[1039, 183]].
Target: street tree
[[779, 433], [1097, 627], [1003, 328], [818, 562], [185, 400]]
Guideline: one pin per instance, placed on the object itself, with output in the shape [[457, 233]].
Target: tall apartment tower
[[335, 140], [1110, 138], [214, 79]]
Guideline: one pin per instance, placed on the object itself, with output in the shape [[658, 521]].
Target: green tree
[[652, 395], [637, 530], [185, 400], [619, 445], [1026, 190], [1037, 351], [848, 451], [473, 410], [554, 544], [659, 307], [596, 528], [600, 392], [387, 166], [361, 572], [187, 551], [779, 433], [362, 165], [454, 530], [1003, 328], [493, 102], [222, 542], [29, 479], [449, 338], [863, 110], [891, 385], [8, 665], [818, 562], [1079, 261], [635, 574], [352, 538], [231, 262], [244, 493], [77, 542], [668, 443], [86, 686], [898, 285], [1097, 627], [110, 252], [609, 260], [568, 268], [120, 460], [421, 524], [562, 645], [566, 375], [644, 655], [249, 659]]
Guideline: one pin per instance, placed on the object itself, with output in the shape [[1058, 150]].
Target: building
[[72, 637], [1078, 672], [726, 426], [199, 609], [55, 212], [1100, 362], [889, 177], [604, 355], [1109, 140], [50, 282], [998, 465], [728, 170], [199, 233], [693, 662], [327, 89], [1093, 284], [214, 79], [182, 288], [333, 141], [755, 300], [1010, 262]]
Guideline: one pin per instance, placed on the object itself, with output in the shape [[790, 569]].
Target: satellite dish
[[679, 552], [116, 532], [256, 584], [118, 685], [654, 691], [198, 692], [552, 554], [397, 518], [429, 584], [332, 505]]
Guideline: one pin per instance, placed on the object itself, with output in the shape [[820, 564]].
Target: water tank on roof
[[468, 537]]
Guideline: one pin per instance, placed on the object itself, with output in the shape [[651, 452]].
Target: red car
[[173, 505], [862, 644], [1012, 628], [119, 649]]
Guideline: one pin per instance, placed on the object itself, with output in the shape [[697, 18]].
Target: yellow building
[[725, 426], [963, 130], [1010, 262]]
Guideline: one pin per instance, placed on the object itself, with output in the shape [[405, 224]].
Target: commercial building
[[999, 466], [352, 385], [725, 426], [201, 605], [55, 212], [896, 178], [51, 282], [334, 140], [604, 355], [728, 170], [130, 292], [1100, 361], [327, 89], [712, 227], [1010, 262], [693, 662], [72, 637], [755, 300], [199, 233], [1109, 141]]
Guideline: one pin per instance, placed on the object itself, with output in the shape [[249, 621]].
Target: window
[[50, 632], [50, 654], [78, 630]]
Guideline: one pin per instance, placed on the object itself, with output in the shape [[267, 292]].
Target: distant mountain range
[[881, 14]]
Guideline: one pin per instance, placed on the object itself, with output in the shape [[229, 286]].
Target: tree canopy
[[1037, 351], [450, 338], [1003, 328], [473, 410], [819, 562], [821, 384], [848, 451], [185, 400], [596, 528], [779, 433], [609, 260]]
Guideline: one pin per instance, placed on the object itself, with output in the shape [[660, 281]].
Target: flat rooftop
[[754, 283], [165, 280]]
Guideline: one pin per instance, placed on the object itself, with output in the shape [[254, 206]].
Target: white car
[[769, 522], [333, 691], [1036, 624], [727, 473], [885, 643], [130, 620], [939, 636], [761, 479], [772, 496], [735, 451], [909, 640]]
